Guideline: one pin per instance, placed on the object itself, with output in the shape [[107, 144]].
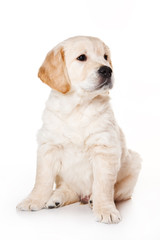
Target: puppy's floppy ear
[[53, 71]]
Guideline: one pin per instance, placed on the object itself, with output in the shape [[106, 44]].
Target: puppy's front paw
[[30, 204], [107, 215]]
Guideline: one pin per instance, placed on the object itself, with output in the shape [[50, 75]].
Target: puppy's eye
[[105, 57], [82, 57]]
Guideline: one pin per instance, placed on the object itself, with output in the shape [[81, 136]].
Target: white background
[[29, 29]]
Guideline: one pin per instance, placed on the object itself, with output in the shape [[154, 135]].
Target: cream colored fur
[[80, 146]]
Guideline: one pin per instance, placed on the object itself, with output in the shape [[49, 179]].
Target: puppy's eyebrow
[[83, 51]]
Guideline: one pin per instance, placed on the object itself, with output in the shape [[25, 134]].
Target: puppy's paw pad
[[90, 202], [55, 201], [54, 205], [107, 215], [30, 205]]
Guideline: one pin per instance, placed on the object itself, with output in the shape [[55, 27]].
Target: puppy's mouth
[[107, 84]]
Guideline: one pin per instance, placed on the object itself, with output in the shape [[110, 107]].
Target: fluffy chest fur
[[75, 125], [72, 119]]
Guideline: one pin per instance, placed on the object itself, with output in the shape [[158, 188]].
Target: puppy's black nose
[[105, 71]]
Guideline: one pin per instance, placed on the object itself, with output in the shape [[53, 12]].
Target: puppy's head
[[78, 63]]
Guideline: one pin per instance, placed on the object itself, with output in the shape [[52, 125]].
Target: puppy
[[80, 146]]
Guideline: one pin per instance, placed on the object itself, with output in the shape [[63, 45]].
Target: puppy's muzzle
[[105, 76]]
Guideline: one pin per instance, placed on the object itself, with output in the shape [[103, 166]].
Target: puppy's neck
[[66, 103]]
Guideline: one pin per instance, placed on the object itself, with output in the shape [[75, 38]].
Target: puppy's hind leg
[[127, 177], [63, 195]]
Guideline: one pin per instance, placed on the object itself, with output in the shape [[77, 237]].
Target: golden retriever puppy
[[80, 145]]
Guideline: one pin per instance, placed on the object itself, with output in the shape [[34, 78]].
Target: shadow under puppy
[[80, 145]]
